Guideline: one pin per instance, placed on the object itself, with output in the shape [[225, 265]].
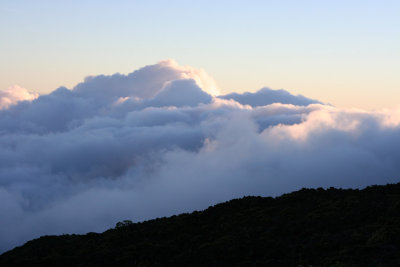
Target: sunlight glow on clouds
[[160, 141], [202, 79], [15, 94]]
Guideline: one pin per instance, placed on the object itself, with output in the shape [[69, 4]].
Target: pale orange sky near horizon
[[345, 53], [375, 94]]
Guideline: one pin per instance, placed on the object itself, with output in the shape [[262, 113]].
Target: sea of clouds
[[161, 141]]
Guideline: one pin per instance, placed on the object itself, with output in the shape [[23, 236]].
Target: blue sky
[[343, 52]]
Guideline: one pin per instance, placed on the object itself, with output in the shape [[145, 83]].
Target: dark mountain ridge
[[309, 227]]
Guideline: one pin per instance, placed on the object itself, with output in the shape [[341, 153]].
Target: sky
[[341, 52]]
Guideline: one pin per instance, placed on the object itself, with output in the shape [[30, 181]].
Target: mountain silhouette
[[309, 227]]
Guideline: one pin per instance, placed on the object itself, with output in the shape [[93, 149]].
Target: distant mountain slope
[[314, 227]]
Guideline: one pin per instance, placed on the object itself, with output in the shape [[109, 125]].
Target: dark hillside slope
[[315, 227]]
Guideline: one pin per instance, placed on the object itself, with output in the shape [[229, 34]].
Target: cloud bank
[[160, 141]]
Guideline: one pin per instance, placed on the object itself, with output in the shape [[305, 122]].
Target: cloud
[[15, 94], [158, 141], [180, 93], [267, 96], [143, 83]]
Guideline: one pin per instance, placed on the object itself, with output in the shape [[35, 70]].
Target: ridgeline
[[310, 227]]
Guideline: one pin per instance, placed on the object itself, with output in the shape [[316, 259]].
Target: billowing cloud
[[159, 141], [15, 94]]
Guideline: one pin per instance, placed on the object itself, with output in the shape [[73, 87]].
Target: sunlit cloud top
[[15, 94]]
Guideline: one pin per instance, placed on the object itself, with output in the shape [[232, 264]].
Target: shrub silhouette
[[124, 223]]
